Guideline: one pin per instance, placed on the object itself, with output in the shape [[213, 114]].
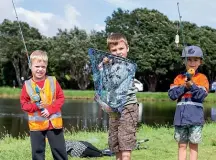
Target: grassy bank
[[161, 145], [7, 92]]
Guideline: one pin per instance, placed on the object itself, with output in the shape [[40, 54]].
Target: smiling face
[[38, 68], [193, 62], [39, 61], [119, 49]]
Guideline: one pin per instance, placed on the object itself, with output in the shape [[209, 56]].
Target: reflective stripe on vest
[[190, 103], [36, 121], [38, 118]]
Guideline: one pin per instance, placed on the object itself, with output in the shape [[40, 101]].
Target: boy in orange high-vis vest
[[42, 99]]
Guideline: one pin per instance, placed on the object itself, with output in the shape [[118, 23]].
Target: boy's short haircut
[[39, 55], [115, 38]]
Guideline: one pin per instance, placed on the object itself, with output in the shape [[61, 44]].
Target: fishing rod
[[20, 30], [190, 71], [181, 27]]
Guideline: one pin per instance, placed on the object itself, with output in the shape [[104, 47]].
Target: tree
[[207, 40], [71, 50], [12, 48], [98, 40]]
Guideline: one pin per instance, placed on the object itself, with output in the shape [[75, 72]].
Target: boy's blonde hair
[[39, 55], [115, 38]]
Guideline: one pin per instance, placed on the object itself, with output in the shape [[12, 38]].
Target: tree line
[[151, 37]]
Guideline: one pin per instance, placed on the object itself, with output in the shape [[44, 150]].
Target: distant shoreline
[[7, 92]]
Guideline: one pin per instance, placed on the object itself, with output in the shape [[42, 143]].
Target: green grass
[[8, 92], [161, 145]]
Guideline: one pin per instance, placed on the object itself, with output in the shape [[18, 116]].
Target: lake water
[[86, 115]]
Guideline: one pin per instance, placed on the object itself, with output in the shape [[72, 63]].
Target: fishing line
[[190, 72], [181, 28], [20, 30]]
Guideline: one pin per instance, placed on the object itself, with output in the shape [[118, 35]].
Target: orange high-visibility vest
[[47, 95], [199, 79]]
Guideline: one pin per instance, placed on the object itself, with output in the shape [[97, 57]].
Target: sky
[[49, 15]]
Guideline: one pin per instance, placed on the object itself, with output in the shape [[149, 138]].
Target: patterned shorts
[[191, 133], [122, 129]]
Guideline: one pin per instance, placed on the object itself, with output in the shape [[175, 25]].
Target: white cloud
[[99, 27], [6, 9], [35, 18], [71, 17], [46, 22]]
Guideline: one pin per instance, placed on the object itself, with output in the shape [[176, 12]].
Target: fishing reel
[[190, 73], [36, 98]]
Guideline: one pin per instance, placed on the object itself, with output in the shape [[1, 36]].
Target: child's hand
[[41, 105], [45, 113], [107, 60], [102, 104], [188, 84]]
